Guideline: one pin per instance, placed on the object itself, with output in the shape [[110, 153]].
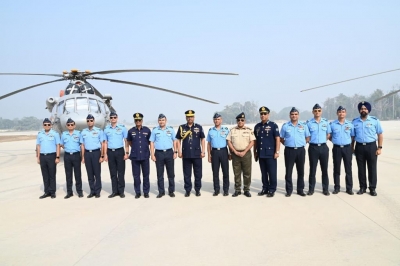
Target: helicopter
[[347, 80], [81, 98]]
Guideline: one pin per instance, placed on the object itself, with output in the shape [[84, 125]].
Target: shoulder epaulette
[[373, 117], [306, 121], [355, 118], [225, 128], [122, 125], [232, 128]]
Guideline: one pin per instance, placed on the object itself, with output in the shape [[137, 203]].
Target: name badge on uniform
[[196, 129]]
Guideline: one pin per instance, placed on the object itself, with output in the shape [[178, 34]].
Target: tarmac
[[329, 230]]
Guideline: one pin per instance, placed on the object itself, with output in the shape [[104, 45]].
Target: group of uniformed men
[[115, 144]]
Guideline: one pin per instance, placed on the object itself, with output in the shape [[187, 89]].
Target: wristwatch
[[277, 152], [379, 147], [102, 156], [175, 151], [57, 157], [126, 152]]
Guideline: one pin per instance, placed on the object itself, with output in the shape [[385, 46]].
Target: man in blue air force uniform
[[48, 156], [70, 141], [218, 154], [115, 136], [367, 130]]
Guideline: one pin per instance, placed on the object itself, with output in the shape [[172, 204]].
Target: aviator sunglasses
[[240, 120], [89, 120]]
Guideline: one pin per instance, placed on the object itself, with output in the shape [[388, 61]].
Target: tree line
[[26, 123]]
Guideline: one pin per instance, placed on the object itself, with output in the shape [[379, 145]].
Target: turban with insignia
[[366, 104]]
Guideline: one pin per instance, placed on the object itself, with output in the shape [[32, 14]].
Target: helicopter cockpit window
[[60, 107], [94, 106], [102, 108], [69, 106], [82, 104]]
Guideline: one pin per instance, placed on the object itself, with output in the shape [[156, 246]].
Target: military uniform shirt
[[163, 139], [92, 139], [265, 138], [295, 136], [342, 133], [191, 145], [48, 142], [240, 137], [217, 137], [71, 143], [366, 131], [115, 136], [140, 140], [318, 131]]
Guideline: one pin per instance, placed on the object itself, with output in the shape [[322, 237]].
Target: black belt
[[115, 149], [317, 144], [341, 146], [366, 143], [48, 153], [165, 150], [218, 149], [295, 148], [72, 153], [92, 150]]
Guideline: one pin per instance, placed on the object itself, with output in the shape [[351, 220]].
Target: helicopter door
[[60, 108]]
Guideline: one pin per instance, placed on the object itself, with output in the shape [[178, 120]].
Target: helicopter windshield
[[94, 106], [82, 104], [69, 105], [60, 107]]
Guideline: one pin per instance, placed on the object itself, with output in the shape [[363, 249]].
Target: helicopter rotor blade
[[27, 88], [385, 96], [32, 74], [155, 70], [155, 88], [350, 80]]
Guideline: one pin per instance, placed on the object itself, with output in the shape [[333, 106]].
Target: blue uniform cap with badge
[[137, 116], [89, 116], [70, 121], [316, 106], [113, 114], [241, 115], [293, 110], [161, 116], [189, 113], [366, 105], [46, 120], [340, 108], [216, 115], [263, 110]]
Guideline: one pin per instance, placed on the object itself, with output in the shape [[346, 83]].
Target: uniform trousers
[[338, 153], [165, 158], [72, 162], [269, 173], [187, 164], [143, 165], [93, 169], [318, 153], [48, 168], [242, 164], [116, 165], [220, 158], [298, 157], [366, 155]]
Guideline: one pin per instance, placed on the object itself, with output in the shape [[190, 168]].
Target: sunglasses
[[70, 125], [318, 110], [240, 120], [113, 117], [138, 120], [46, 125], [263, 113], [294, 114], [89, 120]]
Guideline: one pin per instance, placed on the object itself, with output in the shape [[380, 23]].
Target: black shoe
[[45, 195], [336, 191], [112, 195], [262, 193], [270, 194], [237, 193], [137, 195], [160, 195], [122, 195], [80, 195], [146, 195], [187, 194], [226, 194], [373, 192], [172, 195], [361, 191], [350, 192], [68, 196], [247, 194], [97, 196], [198, 194], [91, 195], [53, 196], [288, 194], [301, 193], [326, 193], [216, 194], [310, 193]]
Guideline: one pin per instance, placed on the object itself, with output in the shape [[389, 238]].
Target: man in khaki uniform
[[240, 140]]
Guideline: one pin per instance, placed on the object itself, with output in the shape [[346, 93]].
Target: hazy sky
[[277, 47]]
